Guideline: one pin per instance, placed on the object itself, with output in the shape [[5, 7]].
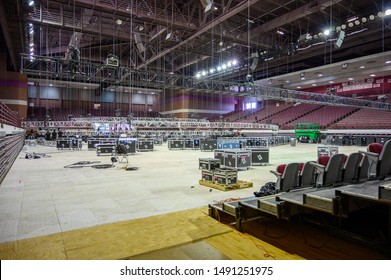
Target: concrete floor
[[40, 197]]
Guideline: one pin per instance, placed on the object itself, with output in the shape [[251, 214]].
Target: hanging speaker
[[254, 63], [340, 39], [139, 43]]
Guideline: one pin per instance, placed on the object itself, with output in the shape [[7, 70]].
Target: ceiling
[[272, 40]]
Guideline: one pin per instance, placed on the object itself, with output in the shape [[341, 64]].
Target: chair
[[329, 170], [287, 176], [363, 168], [379, 160], [121, 152], [350, 168], [307, 174]]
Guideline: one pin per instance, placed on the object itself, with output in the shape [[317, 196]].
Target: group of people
[[47, 134]]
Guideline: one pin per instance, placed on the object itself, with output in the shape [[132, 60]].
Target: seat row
[[335, 170]]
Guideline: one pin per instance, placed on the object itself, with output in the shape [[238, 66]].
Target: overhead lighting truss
[[60, 69]]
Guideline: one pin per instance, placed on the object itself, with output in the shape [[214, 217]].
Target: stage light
[[326, 32], [387, 12], [31, 3]]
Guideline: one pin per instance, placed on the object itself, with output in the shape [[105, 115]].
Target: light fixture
[[387, 12], [119, 22], [343, 26], [331, 82], [320, 75], [364, 20], [357, 22], [287, 81], [352, 19], [371, 17], [31, 3], [224, 66], [380, 14], [298, 87], [280, 32], [350, 79], [314, 85], [372, 75], [362, 67], [234, 62], [388, 61], [326, 32], [350, 24]]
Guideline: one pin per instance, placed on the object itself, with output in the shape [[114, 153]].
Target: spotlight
[[350, 24], [224, 66], [234, 62], [364, 20], [343, 26], [387, 12], [380, 14], [371, 17], [31, 3], [326, 32], [218, 68], [212, 70], [357, 22]]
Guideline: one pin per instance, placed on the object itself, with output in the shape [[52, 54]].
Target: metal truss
[[149, 123], [79, 71]]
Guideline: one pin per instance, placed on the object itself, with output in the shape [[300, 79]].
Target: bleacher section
[[365, 119], [264, 115], [293, 113], [324, 116], [7, 116]]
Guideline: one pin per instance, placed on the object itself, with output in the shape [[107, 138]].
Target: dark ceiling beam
[[7, 37], [303, 11], [237, 9]]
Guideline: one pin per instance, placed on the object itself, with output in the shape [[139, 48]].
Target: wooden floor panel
[[241, 246], [189, 234]]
